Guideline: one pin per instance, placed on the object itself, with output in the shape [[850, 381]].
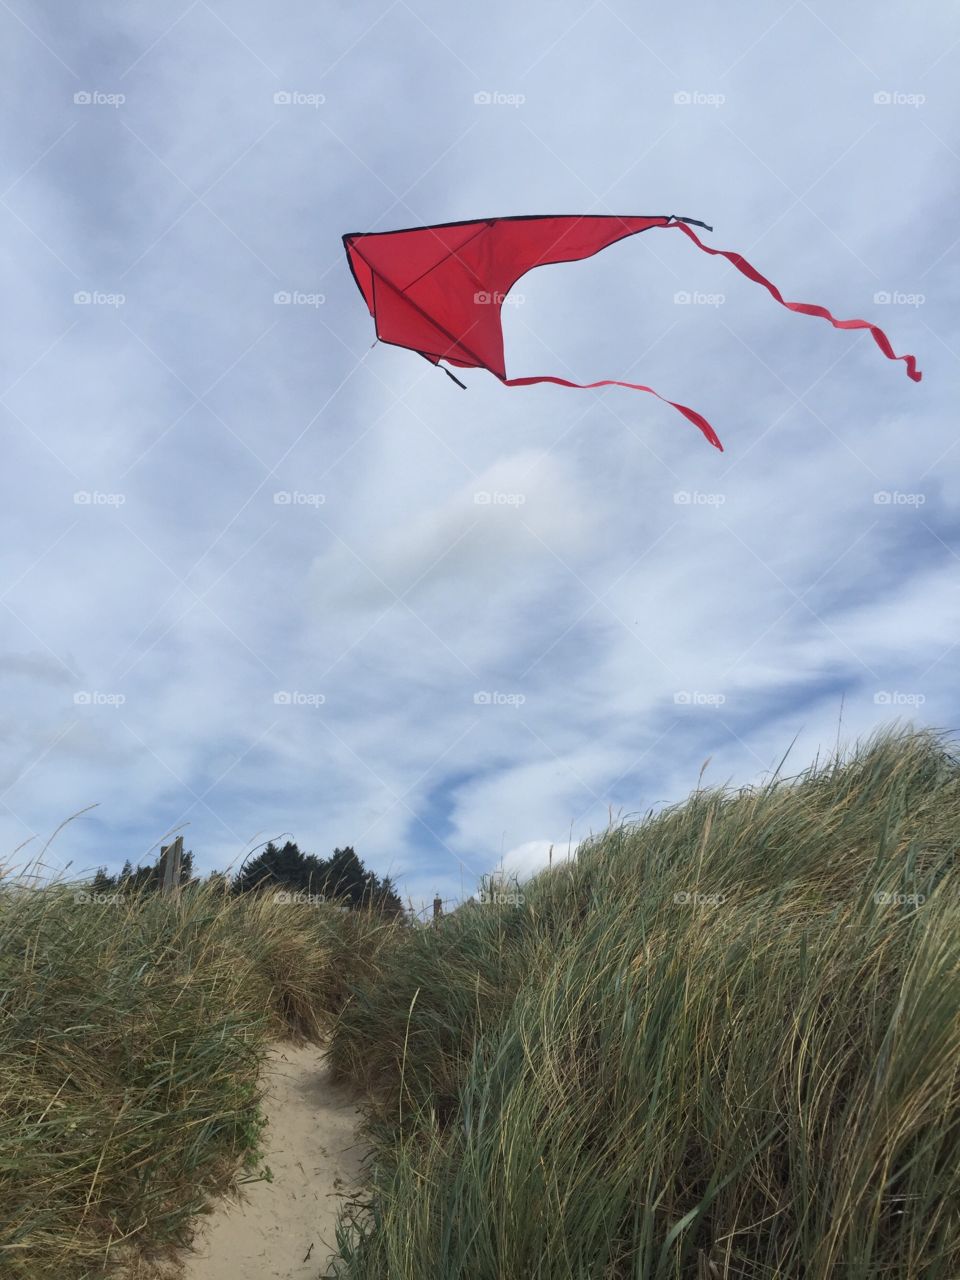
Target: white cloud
[[598, 597]]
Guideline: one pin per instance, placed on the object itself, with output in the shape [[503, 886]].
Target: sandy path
[[311, 1149]]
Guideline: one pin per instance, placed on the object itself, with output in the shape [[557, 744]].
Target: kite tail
[[805, 308], [691, 415]]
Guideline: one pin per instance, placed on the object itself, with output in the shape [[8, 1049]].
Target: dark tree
[[140, 879], [102, 883], [286, 867], [341, 878]]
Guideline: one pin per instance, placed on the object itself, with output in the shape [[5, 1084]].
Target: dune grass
[[725, 1042], [132, 1033]]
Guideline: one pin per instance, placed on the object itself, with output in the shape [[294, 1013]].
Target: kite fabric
[[438, 290]]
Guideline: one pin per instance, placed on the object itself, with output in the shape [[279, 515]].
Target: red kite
[[438, 290]]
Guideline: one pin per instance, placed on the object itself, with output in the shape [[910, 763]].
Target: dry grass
[[724, 1043], [132, 1034]]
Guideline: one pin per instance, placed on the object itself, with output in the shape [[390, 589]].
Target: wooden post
[[170, 855], [437, 909]]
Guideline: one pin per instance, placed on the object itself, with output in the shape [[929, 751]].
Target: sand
[[284, 1230]]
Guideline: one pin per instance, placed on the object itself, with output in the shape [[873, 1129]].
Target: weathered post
[[437, 910], [170, 855]]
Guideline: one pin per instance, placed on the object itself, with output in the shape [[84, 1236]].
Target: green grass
[[721, 1044], [623, 1079], [131, 1040]]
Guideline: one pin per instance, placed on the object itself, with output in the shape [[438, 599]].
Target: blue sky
[[247, 585]]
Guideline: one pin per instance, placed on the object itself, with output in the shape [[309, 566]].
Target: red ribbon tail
[[691, 415], [804, 308]]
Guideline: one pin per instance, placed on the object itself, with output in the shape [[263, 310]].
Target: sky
[[263, 577]]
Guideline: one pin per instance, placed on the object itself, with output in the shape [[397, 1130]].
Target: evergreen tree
[[286, 867], [141, 878], [345, 879], [342, 877], [102, 883]]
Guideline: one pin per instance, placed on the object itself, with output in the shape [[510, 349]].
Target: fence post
[[171, 855], [437, 910]]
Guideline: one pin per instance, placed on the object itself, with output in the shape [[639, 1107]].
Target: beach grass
[[723, 1042], [133, 1030]]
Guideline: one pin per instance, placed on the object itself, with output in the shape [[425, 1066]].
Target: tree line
[[342, 878]]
